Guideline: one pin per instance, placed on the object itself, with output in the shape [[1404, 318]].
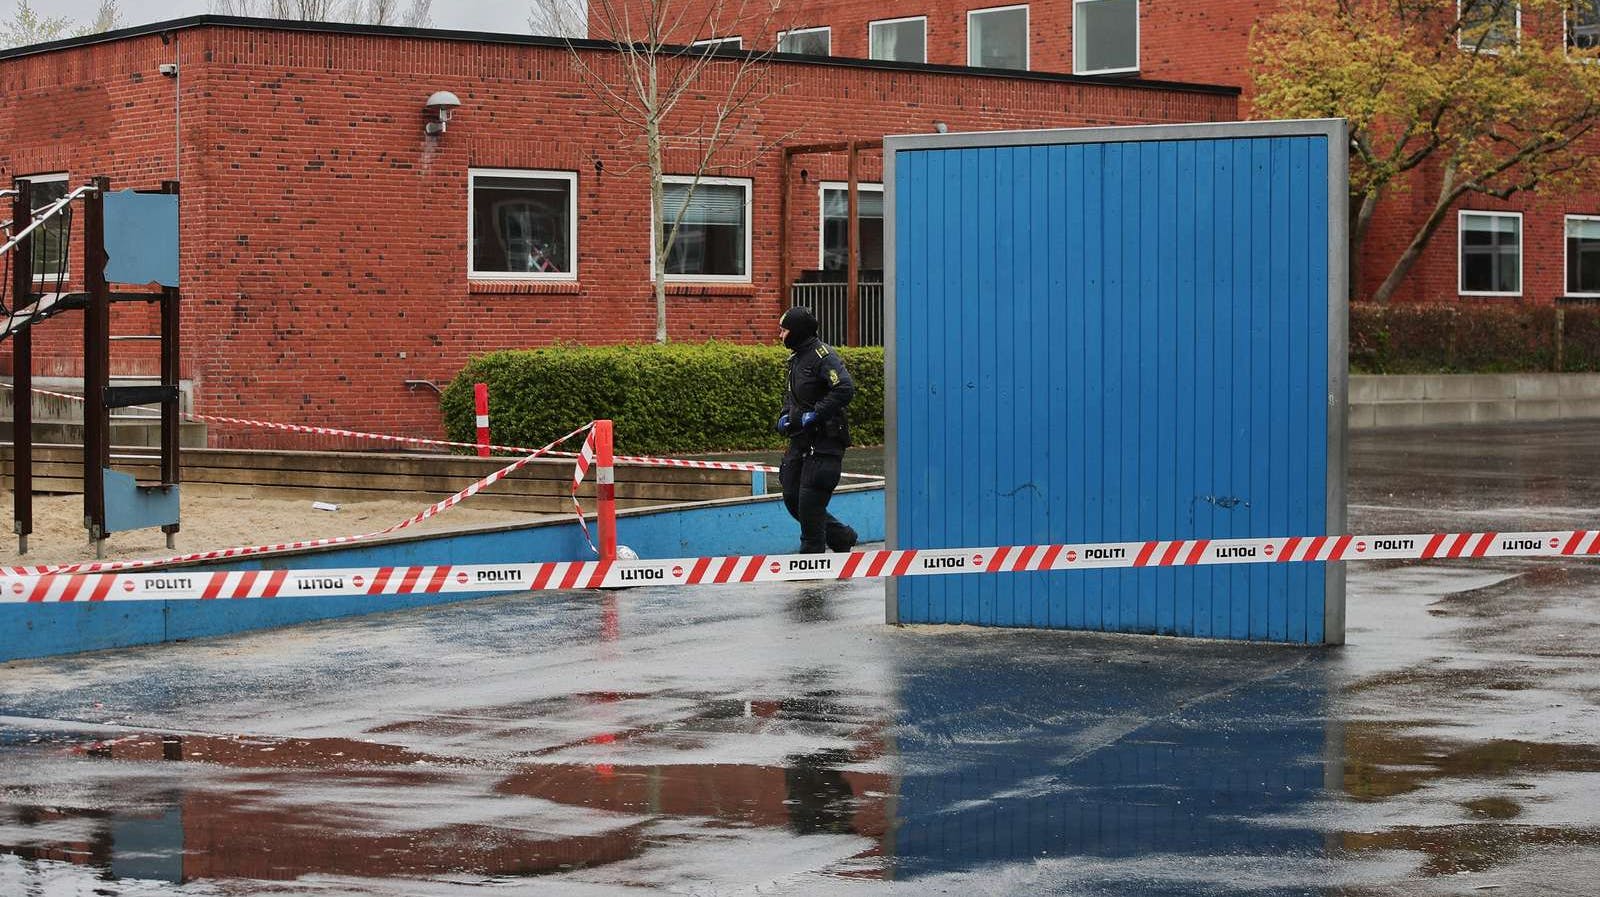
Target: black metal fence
[[827, 302]]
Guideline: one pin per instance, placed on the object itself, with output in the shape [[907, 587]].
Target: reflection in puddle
[[1382, 762], [285, 808]]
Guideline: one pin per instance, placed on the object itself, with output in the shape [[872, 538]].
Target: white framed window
[[1488, 25], [522, 224], [1582, 19], [1583, 255], [732, 43], [1490, 253], [834, 236], [713, 240], [1105, 37], [806, 41], [51, 255], [900, 40], [998, 38]]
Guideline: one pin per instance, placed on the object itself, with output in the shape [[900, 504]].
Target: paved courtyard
[[779, 739]]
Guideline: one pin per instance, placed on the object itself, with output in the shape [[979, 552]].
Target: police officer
[[814, 420]]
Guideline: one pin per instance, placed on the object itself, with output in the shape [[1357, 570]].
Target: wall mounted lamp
[[441, 104], [941, 127]]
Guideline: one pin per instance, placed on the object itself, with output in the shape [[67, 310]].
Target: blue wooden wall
[[1111, 341]]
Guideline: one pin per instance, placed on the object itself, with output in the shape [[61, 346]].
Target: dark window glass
[[836, 229], [905, 41], [1105, 35], [1488, 24], [521, 225], [711, 234], [812, 42], [1583, 24], [1491, 254], [1583, 255], [50, 249], [998, 38]]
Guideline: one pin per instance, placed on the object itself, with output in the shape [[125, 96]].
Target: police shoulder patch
[[822, 351], [833, 377]]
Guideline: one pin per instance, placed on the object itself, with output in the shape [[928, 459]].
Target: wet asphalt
[[779, 739]]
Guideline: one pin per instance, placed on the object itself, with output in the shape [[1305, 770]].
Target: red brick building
[[1528, 249], [332, 250]]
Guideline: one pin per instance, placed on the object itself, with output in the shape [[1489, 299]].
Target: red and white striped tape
[[224, 553], [558, 575], [421, 440]]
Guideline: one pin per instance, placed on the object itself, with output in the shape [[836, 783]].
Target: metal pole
[[605, 490], [852, 298], [171, 410], [96, 365], [783, 232], [22, 374]]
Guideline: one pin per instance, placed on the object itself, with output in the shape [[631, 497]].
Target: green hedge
[[1473, 339], [680, 397]]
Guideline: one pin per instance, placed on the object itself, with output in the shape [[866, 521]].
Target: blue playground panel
[[1120, 334]]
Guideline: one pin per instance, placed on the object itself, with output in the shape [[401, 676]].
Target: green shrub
[[674, 398], [1428, 339]]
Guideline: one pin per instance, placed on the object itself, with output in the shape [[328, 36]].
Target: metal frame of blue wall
[[1336, 134]]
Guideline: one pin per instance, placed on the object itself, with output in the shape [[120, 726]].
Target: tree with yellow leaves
[[1493, 97]]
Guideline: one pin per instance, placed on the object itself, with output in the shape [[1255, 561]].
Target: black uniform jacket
[[818, 382]]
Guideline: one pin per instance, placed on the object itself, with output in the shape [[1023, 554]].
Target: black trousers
[[808, 484]]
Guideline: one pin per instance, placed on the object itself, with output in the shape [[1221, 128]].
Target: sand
[[210, 523]]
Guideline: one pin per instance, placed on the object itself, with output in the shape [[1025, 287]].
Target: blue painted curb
[[730, 526]]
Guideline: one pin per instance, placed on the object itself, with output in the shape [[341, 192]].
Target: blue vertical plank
[[1045, 392], [1317, 357], [1300, 397], [1201, 511], [1259, 453], [1112, 459], [1279, 299], [986, 469], [1078, 340], [1130, 308], [1147, 258], [1245, 435], [967, 524], [1169, 379], [1223, 486], [1189, 339], [1064, 591], [927, 346], [1098, 419]]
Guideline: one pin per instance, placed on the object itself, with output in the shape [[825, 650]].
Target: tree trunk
[[1448, 194], [1360, 224], [657, 227]]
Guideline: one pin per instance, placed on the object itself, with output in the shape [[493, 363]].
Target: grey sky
[[465, 15]]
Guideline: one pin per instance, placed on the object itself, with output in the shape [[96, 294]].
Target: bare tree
[[28, 27], [645, 81], [417, 13]]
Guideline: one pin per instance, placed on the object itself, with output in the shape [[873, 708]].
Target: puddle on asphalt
[[262, 811], [1383, 762]]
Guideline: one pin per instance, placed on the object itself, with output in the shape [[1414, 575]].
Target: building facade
[[1530, 248], [339, 252]]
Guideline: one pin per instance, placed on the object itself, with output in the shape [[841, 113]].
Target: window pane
[[711, 235], [1491, 254], [1488, 24], [900, 41], [521, 225], [836, 229], [998, 39], [815, 42], [1105, 35], [50, 239], [1583, 24], [1583, 255]]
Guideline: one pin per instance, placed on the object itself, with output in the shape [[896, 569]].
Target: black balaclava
[[801, 324]]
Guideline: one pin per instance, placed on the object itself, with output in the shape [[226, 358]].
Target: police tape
[[567, 575], [433, 510], [642, 460]]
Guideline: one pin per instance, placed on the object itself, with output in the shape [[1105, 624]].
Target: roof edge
[[165, 28]]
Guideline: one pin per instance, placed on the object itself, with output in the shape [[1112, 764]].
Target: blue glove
[[807, 418], [783, 425]]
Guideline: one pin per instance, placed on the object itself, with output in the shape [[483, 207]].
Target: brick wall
[[324, 237]]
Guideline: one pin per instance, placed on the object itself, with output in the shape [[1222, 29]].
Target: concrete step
[[48, 408], [191, 434]]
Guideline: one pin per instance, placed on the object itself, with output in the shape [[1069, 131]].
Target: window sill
[[546, 287], [711, 289]]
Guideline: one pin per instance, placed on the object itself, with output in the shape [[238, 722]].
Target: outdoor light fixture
[[941, 127], [441, 104]]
